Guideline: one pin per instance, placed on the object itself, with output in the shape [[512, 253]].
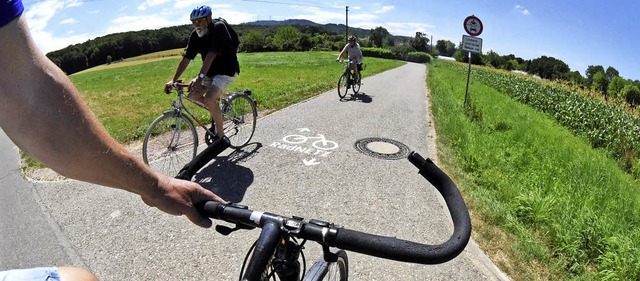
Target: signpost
[[472, 44], [473, 26]]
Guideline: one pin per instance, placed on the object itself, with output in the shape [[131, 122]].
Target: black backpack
[[235, 41]]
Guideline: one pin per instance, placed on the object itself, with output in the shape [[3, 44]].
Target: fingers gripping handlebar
[[174, 86], [361, 242]]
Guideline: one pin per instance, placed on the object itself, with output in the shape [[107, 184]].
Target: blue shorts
[[31, 274]]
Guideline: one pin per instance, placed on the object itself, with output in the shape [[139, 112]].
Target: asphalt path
[[115, 235]]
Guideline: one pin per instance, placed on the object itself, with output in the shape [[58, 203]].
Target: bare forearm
[[75, 144], [206, 64], [181, 68]]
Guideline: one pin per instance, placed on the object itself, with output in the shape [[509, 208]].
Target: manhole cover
[[382, 148]]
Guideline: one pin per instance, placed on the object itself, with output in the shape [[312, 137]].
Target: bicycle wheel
[[322, 270], [240, 120], [343, 85], [170, 143], [356, 83]]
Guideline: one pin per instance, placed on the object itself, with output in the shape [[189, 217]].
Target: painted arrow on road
[[310, 162]]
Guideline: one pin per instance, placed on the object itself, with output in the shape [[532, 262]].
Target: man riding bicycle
[[212, 40], [354, 53]]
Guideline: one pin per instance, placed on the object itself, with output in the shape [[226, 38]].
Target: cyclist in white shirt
[[353, 51]]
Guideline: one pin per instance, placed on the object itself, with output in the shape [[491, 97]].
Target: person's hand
[[177, 197], [195, 86], [168, 86]]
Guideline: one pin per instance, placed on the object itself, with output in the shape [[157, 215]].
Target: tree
[[389, 41], [631, 94], [286, 38], [615, 87], [600, 83], [494, 59], [611, 72], [420, 42], [446, 47], [548, 68], [576, 78], [592, 70], [253, 41], [378, 35]]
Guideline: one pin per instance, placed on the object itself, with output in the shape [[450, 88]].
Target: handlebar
[[370, 244], [175, 86]]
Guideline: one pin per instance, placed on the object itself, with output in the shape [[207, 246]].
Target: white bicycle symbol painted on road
[[321, 142]]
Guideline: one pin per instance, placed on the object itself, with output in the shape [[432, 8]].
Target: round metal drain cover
[[382, 148]]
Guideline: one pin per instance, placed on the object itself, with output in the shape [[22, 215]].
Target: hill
[[330, 28], [118, 46]]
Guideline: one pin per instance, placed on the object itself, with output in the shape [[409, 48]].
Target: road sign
[[473, 25], [472, 44]]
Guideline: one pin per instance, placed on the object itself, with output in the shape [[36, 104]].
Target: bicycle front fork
[[285, 261]]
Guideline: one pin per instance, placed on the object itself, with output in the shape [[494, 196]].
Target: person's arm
[[341, 53], [182, 66], [43, 114]]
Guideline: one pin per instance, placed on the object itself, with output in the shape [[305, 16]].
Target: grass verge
[[546, 206]]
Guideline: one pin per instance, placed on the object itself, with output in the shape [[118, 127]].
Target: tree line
[[305, 36], [605, 82]]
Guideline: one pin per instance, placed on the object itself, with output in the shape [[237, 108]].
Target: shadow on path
[[225, 177]]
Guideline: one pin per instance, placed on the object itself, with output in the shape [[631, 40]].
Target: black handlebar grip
[[407, 251], [397, 249], [209, 209]]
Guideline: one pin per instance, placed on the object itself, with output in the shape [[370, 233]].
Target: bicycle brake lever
[[225, 230]]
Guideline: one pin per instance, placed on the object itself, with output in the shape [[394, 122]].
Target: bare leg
[[76, 274], [211, 101]]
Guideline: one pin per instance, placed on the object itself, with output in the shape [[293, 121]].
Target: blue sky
[[578, 32]]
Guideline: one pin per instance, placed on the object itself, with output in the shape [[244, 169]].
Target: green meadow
[[127, 96]]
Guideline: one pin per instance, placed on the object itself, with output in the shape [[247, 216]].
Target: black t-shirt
[[217, 41]]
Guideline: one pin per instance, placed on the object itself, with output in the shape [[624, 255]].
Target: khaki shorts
[[222, 82]]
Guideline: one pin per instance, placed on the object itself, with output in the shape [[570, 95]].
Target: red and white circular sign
[[473, 25]]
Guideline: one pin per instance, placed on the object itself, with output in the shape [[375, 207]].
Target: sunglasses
[[198, 21]]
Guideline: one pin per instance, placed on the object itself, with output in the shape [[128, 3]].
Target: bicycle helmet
[[352, 38], [201, 12]]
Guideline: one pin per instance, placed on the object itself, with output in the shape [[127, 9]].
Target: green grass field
[[546, 205], [127, 96]]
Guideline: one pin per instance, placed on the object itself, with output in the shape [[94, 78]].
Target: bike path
[[119, 238]]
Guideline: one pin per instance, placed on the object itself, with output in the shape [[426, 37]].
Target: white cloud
[[522, 10], [39, 14], [69, 21], [151, 3], [73, 3], [131, 23], [38, 17], [384, 9], [318, 15], [181, 4], [47, 42]]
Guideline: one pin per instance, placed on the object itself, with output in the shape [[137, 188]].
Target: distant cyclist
[[214, 42], [354, 53]]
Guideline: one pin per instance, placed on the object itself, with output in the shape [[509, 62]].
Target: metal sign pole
[[473, 26], [466, 91]]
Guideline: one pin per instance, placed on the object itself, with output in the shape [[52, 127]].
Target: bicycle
[[172, 139], [348, 79], [276, 252]]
